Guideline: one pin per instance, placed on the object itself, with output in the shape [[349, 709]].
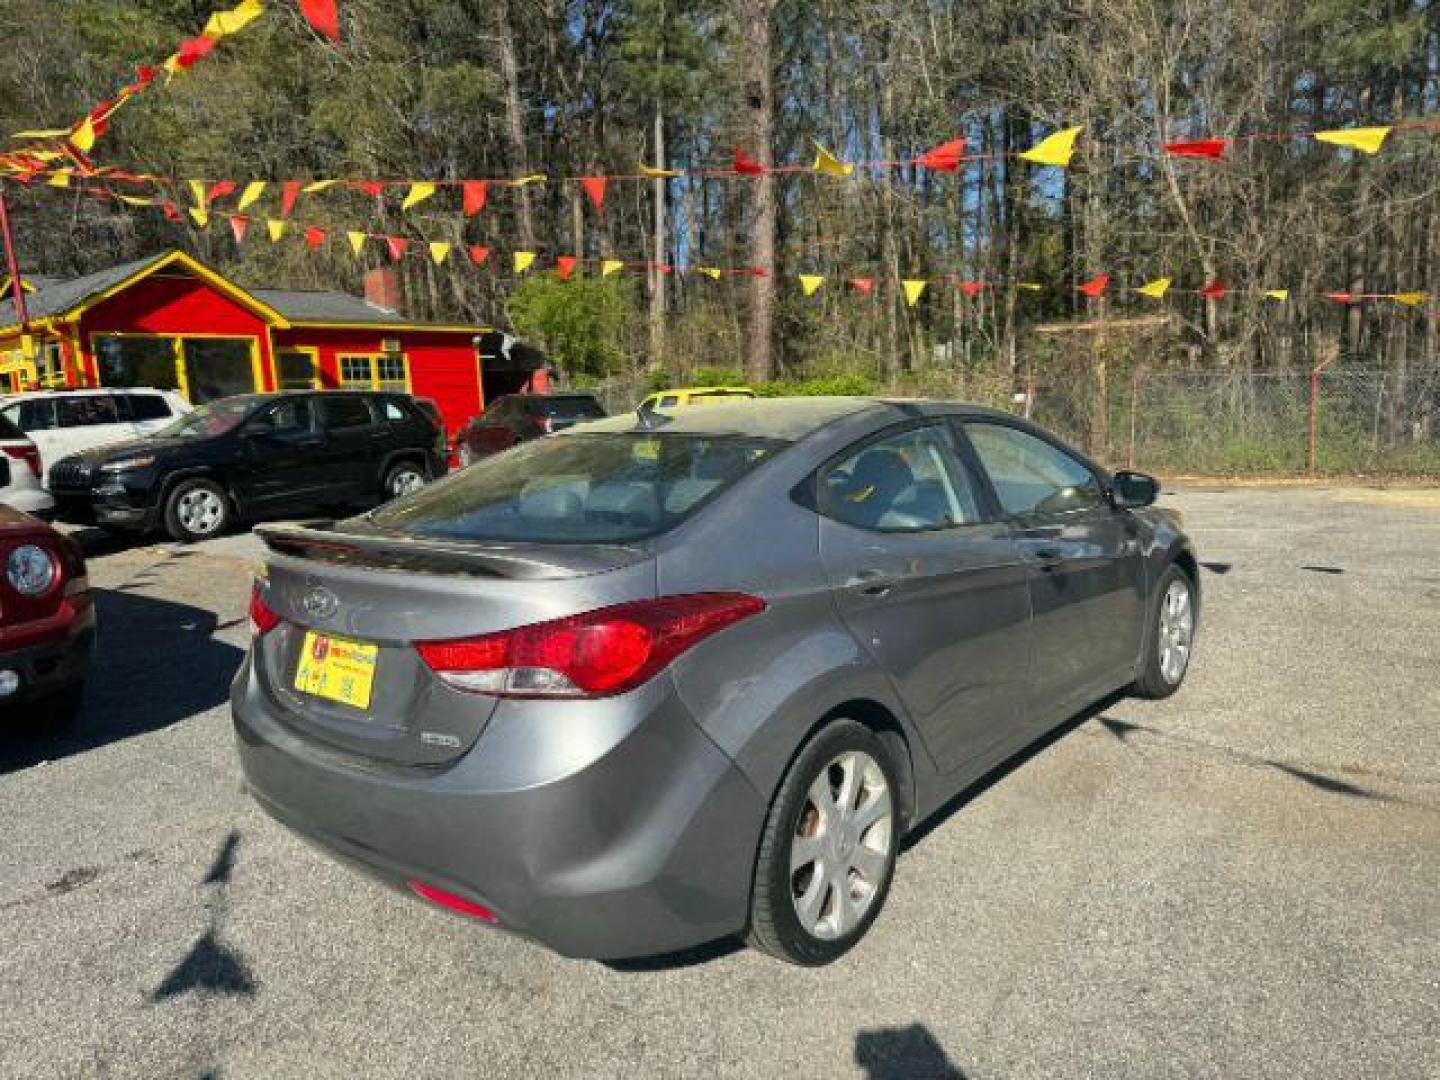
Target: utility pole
[[17, 286]]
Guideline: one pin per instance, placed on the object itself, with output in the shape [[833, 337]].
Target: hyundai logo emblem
[[320, 603]]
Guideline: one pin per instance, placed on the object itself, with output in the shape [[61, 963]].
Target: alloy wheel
[[841, 847], [1177, 631], [200, 511]]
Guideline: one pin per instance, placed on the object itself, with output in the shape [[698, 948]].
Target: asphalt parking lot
[[1241, 881]]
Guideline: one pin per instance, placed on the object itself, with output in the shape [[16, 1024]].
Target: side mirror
[[1131, 490]]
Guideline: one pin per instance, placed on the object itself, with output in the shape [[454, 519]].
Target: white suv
[[65, 422], [20, 473]]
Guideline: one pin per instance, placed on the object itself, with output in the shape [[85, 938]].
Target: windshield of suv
[[605, 488], [215, 418]]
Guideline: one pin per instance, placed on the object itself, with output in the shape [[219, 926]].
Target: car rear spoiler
[[320, 542]]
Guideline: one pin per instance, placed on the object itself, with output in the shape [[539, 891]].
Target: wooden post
[[1136, 381]]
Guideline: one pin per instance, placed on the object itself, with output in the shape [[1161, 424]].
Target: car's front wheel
[[827, 854], [196, 510], [1172, 635]]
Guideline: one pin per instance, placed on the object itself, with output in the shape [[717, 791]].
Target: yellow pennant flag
[[172, 68], [357, 242], [234, 20], [1056, 149], [197, 188], [135, 200], [1156, 289], [712, 272], [418, 193], [84, 136], [523, 261], [1366, 139], [811, 282], [828, 164], [1277, 294], [201, 216], [914, 289], [318, 185], [645, 170], [276, 228], [60, 179], [253, 191], [46, 133], [1030, 286], [439, 251], [533, 178], [1410, 299], [609, 266]]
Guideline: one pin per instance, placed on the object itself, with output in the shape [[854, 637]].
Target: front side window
[[904, 483], [290, 417], [86, 410], [1030, 475], [148, 407], [596, 489]]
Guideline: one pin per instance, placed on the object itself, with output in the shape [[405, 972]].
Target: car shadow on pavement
[[156, 663], [909, 1053]]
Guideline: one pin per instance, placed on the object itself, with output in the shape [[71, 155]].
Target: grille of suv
[[71, 474]]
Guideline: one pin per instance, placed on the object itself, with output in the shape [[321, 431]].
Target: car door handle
[[872, 583]]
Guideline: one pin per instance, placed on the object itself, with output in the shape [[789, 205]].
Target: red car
[[47, 620]]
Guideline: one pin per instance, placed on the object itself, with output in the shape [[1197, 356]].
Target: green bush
[[580, 322]]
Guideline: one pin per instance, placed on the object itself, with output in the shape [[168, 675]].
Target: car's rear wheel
[[196, 510], [403, 478], [827, 854], [1172, 635]]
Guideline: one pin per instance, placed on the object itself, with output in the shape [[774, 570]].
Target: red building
[[169, 321]]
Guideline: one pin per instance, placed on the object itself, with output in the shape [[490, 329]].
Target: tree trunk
[[657, 278], [514, 118], [760, 106]]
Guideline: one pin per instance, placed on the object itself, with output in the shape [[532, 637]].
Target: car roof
[[83, 391], [769, 418], [704, 390]]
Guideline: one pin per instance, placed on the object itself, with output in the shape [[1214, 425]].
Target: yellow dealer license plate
[[337, 669]]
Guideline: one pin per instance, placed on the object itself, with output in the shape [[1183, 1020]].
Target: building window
[[297, 369], [137, 361], [389, 372]]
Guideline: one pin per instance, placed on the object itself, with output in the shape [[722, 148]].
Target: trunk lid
[[385, 593]]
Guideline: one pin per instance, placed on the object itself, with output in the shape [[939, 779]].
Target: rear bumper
[[36, 501], [50, 666], [640, 844]]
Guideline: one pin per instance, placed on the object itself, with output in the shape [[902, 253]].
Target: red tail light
[[545, 424], [599, 653], [262, 618], [28, 454]]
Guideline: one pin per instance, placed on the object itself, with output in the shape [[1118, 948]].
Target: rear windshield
[[605, 488], [569, 408]]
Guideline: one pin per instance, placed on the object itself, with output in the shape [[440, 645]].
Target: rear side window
[[908, 482], [598, 489], [148, 407], [340, 413], [86, 410]]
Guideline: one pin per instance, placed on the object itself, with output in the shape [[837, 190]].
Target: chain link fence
[[1343, 420]]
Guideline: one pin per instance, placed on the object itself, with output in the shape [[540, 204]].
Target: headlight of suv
[[30, 570], [128, 463]]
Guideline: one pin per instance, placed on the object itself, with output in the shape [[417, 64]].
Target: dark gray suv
[[656, 681]]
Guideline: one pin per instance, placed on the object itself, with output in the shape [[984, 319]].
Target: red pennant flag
[[478, 254], [1198, 148], [170, 212], [288, 194], [863, 285], [476, 194], [239, 224], [945, 157], [144, 76], [565, 266], [971, 288], [1341, 297], [314, 237], [595, 188], [1214, 290], [664, 268], [324, 16], [220, 189], [1095, 287], [746, 165], [373, 188], [193, 50], [397, 246]]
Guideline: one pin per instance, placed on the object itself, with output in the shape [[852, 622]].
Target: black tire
[[187, 524], [404, 477], [1152, 681], [775, 925]]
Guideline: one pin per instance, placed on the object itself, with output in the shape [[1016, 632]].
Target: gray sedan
[[661, 680]]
